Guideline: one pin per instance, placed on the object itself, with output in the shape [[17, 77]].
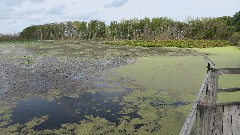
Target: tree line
[[163, 28]]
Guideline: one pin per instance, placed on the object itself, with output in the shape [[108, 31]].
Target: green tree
[[81, 28], [235, 21]]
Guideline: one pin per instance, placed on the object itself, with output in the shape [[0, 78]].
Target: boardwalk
[[206, 116]]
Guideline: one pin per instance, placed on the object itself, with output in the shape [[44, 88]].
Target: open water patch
[[70, 110]]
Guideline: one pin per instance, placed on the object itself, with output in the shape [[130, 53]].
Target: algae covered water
[[92, 88]]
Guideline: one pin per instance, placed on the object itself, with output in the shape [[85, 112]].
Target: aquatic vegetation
[[53, 94], [173, 43], [27, 62], [27, 128], [95, 125], [5, 118], [13, 129]]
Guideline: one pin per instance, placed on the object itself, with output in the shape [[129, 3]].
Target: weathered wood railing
[[186, 129], [205, 108]]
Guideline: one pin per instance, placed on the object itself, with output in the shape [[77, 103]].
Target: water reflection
[[70, 110]]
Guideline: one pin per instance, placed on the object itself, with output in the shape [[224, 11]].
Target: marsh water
[[65, 87], [69, 110]]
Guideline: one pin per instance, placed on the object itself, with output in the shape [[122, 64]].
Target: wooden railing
[[205, 104], [186, 129]]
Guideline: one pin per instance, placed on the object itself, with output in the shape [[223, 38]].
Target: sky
[[15, 15]]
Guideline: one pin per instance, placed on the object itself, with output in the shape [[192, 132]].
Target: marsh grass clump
[[27, 62]]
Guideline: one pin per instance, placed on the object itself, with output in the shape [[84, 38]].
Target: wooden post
[[211, 92], [215, 86], [206, 113]]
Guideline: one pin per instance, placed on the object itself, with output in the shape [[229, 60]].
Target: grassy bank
[[174, 43]]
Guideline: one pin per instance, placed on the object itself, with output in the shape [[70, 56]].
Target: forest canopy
[[163, 28]]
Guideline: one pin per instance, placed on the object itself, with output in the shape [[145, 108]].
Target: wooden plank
[[229, 103], [231, 120], [217, 120], [211, 92], [206, 124], [186, 129], [227, 70], [212, 88], [216, 77], [229, 89]]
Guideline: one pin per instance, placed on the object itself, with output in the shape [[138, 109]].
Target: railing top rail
[[229, 89], [186, 129], [227, 70]]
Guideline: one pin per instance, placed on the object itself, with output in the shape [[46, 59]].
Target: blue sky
[[15, 15]]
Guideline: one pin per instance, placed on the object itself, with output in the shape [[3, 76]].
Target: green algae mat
[[92, 88]]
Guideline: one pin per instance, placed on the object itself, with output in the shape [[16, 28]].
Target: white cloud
[[15, 15], [35, 17], [37, 1], [58, 10], [11, 3], [116, 3], [82, 17], [5, 12]]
